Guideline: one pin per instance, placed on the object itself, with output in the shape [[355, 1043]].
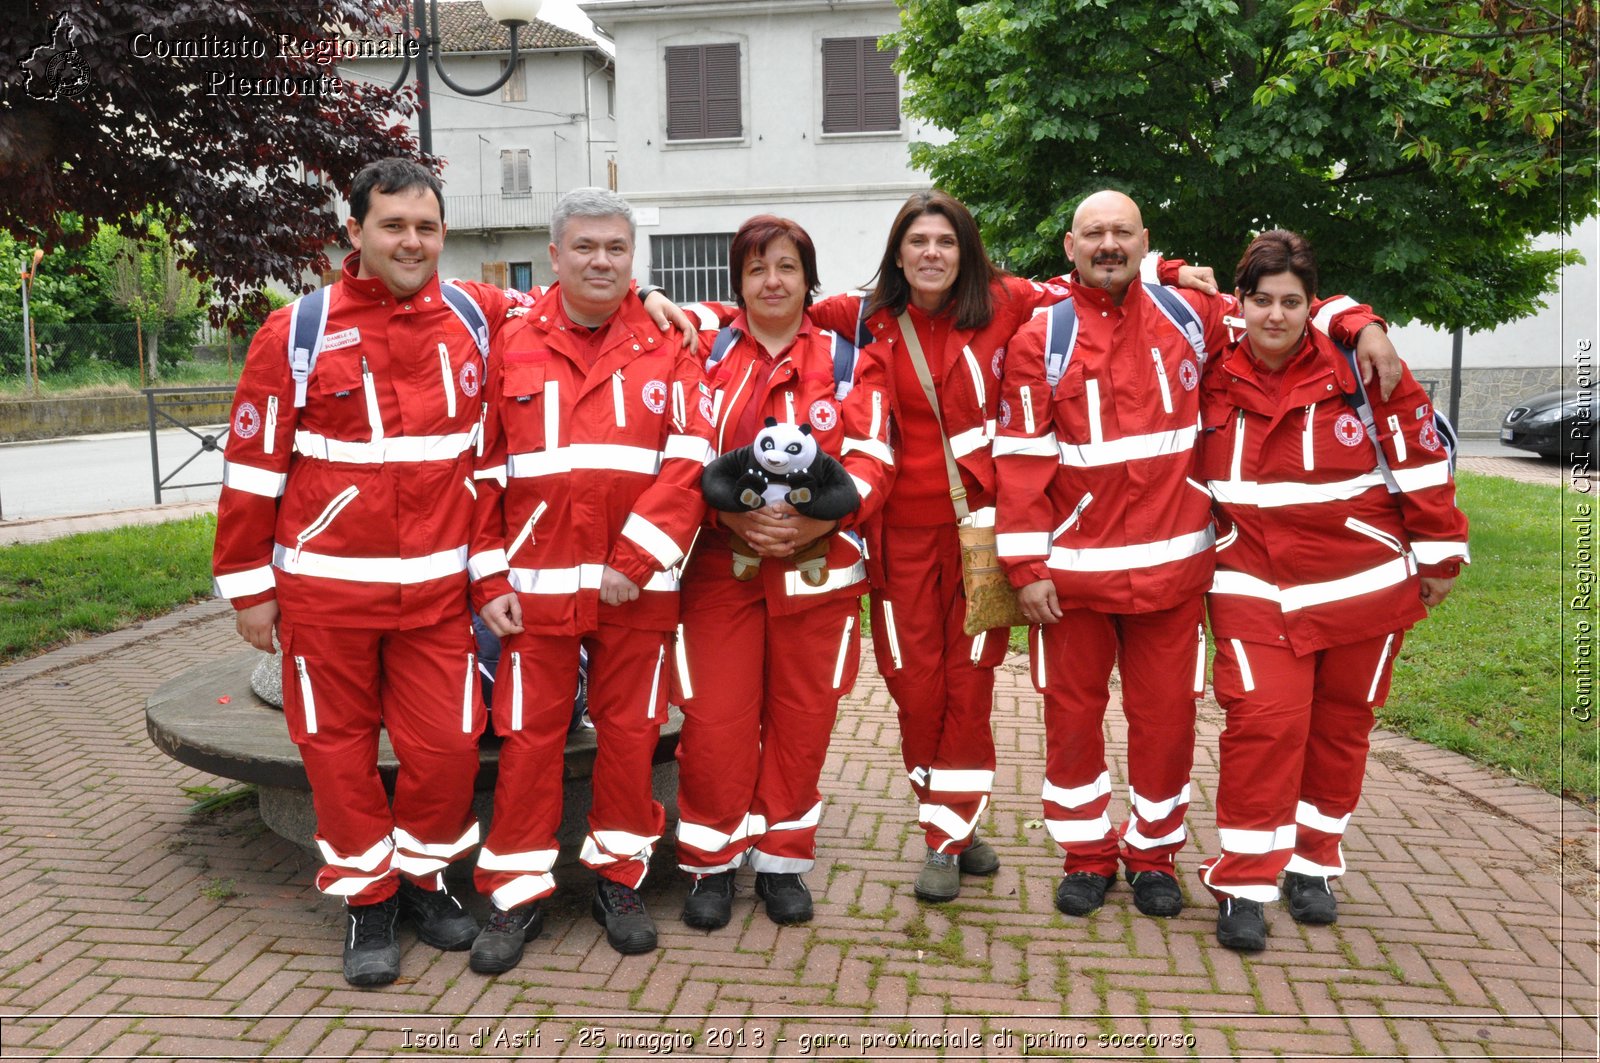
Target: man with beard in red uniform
[[1107, 536]]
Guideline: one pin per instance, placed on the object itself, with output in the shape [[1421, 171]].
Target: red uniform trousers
[[532, 711], [760, 692], [1293, 754], [1161, 657], [941, 679], [421, 685]]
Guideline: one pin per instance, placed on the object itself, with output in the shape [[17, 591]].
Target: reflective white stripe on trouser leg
[[418, 858], [1309, 816], [1038, 655], [767, 863], [978, 641], [894, 639], [680, 658], [516, 691], [603, 847], [532, 869], [1265, 894], [844, 650], [1377, 676], [949, 822], [1200, 659], [710, 840], [1245, 677], [655, 682], [363, 865], [308, 704], [466, 694], [1065, 831]]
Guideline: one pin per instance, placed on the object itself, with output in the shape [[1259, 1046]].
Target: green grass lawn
[[102, 378], [64, 590], [1489, 673]]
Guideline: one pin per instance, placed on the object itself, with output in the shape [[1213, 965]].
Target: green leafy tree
[[1193, 107], [142, 274]]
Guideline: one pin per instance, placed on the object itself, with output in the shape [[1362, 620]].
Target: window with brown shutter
[[703, 92], [860, 93], [495, 273]]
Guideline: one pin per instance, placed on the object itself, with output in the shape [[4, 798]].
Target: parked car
[[1553, 424]]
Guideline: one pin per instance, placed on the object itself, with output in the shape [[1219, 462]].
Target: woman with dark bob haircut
[[1330, 544], [767, 649]]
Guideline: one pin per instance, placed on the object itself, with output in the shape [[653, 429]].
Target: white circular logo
[[1347, 430], [823, 416], [1005, 413], [1188, 374], [655, 396], [247, 421], [469, 379], [1428, 435], [998, 362], [705, 409]]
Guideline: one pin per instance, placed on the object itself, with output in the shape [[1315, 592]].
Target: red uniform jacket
[[801, 389], [355, 510], [1097, 480], [587, 467], [1313, 550]]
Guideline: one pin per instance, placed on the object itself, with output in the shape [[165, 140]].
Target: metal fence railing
[[196, 410]]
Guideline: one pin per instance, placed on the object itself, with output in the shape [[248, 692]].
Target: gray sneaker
[[979, 858], [940, 879]]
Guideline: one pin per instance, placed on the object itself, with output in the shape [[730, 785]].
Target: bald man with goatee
[[1106, 533]]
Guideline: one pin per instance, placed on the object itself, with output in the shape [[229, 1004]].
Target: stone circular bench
[[245, 738]]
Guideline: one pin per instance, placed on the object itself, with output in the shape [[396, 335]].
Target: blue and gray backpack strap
[[308, 321], [726, 338], [1060, 336], [843, 351], [471, 314], [1185, 318], [1361, 403]]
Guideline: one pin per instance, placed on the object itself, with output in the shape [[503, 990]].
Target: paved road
[[93, 474]]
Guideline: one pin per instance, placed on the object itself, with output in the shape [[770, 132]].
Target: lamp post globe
[[513, 12]]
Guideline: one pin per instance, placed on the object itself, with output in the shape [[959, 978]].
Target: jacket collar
[[372, 288]]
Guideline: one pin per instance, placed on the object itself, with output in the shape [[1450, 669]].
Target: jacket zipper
[[1072, 518], [977, 376], [308, 704], [1363, 528], [722, 426], [1237, 471], [1161, 378], [877, 414], [1026, 398], [271, 426], [370, 390], [617, 399], [527, 530], [1307, 441], [325, 518], [449, 381]]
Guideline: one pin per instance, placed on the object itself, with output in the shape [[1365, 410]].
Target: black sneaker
[[788, 900], [1082, 892], [439, 918], [1155, 893], [709, 905], [1310, 898], [371, 954], [1241, 925], [498, 946], [620, 910]]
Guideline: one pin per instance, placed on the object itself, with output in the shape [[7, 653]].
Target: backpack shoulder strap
[[1176, 309], [845, 355], [308, 321], [1060, 336], [1362, 404], [726, 338], [470, 313]]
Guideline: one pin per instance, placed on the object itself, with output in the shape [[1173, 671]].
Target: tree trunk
[[152, 337]]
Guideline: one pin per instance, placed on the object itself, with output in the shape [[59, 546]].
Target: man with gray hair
[[588, 499]]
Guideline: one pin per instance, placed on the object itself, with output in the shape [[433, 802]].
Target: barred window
[[703, 92], [692, 267], [860, 93]]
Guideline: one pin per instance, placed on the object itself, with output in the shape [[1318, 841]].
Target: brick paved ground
[[1467, 928]]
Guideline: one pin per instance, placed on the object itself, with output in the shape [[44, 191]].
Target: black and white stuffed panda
[[783, 464]]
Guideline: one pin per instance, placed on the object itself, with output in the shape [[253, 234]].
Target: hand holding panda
[[783, 464]]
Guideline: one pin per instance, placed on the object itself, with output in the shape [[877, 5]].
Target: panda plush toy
[[783, 464]]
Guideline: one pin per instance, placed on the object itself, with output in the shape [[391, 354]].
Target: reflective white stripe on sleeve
[[401, 570], [964, 443], [254, 481], [1139, 555], [616, 457], [1433, 474], [243, 584], [652, 540], [1270, 495], [395, 448], [1076, 796], [1227, 581], [579, 577], [1256, 842], [870, 447], [1022, 544], [1331, 309], [692, 448], [1045, 446], [1431, 553], [862, 487], [487, 563], [703, 316], [1129, 448]]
